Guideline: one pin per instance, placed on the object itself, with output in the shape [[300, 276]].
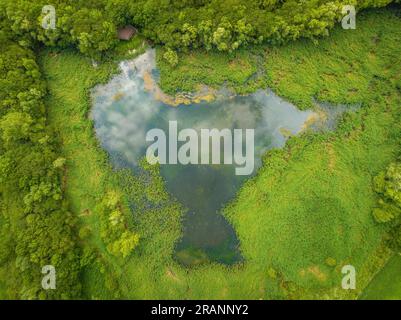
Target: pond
[[131, 104]]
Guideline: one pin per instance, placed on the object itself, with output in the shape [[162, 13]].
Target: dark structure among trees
[[126, 32]]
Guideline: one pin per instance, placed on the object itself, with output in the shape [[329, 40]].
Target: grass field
[[310, 201], [319, 189], [387, 283]]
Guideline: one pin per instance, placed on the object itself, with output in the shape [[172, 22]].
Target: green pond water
[[123, 111]]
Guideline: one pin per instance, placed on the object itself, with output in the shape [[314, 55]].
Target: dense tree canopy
[[388, 186], [179, 24], [35, 221]]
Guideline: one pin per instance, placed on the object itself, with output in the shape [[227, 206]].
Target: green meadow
[[386, 284]]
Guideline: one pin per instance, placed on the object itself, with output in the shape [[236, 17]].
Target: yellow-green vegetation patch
[[237, 71]]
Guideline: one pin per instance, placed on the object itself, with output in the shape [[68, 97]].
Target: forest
[[42, 218]]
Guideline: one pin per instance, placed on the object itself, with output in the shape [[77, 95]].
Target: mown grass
[[310, 201], [387, 283]]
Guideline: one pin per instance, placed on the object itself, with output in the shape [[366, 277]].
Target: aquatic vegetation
[[203, 189]]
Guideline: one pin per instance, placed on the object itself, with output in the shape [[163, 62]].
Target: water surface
[[130, 105]]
